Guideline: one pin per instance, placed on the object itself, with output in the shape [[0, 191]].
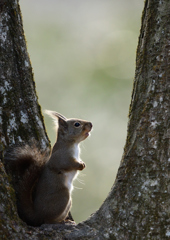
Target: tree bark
[[138, 204]]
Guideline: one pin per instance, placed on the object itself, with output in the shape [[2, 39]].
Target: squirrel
[[45, 186]]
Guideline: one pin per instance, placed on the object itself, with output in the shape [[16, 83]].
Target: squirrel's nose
[[89, 124]]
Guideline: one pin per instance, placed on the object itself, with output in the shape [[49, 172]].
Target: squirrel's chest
[[76, 152], [69, 177]]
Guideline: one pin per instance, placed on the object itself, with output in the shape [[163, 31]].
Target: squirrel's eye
[[77, 124]]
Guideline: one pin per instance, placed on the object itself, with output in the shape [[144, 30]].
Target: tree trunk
[[138, 205]]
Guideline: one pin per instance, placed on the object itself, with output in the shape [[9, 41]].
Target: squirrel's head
[[72, 130]]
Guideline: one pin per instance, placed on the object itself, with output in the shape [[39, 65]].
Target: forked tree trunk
[[138, 206]]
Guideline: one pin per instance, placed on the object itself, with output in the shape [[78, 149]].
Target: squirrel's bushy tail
[[25, 165]]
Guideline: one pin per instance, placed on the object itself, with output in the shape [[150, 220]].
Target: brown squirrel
[[44, 190]]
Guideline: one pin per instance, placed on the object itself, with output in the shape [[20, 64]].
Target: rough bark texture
[[138, 205], [20, 115]]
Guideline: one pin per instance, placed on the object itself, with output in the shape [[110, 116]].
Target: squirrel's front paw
[[81, 165]]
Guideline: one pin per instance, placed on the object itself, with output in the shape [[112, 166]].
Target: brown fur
[[45, 185]]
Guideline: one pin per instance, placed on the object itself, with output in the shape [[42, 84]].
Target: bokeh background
[[83, 57]]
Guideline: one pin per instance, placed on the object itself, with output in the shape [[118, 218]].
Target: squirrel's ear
[[59, 119], [55, 115], [62, 124]]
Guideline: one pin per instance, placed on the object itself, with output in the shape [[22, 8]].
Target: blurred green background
[[83, 56]]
